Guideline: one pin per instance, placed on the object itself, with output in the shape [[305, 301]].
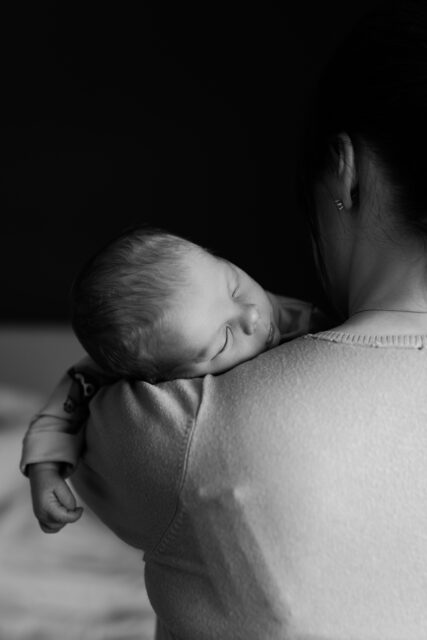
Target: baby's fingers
[[57, 516], [65, 496], [57, 513], [50, 528]]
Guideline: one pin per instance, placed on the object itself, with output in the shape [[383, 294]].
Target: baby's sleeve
[[56, 432], [298, 317], [321, 321]]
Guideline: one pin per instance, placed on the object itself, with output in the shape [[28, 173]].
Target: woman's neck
[[388, 291], [378, 322]]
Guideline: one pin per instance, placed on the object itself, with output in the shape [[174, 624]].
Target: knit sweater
[[285, 499]]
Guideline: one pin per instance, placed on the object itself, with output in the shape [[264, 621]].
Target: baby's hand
[[54, 504]]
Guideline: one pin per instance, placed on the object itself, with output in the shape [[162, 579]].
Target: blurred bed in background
[[82, 583]]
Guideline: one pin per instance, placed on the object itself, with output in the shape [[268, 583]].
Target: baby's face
[[220, 319]]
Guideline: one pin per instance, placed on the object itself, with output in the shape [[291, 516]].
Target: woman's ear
[[346, 173]]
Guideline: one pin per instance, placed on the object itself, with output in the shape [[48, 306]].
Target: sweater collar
[[408, 341]]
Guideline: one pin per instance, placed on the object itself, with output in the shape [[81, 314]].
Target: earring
[[339, 204]]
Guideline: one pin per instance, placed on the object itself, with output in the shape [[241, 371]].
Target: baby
[[150, 306]]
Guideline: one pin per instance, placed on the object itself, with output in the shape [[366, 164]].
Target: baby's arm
[[53, 442], [298, 317]]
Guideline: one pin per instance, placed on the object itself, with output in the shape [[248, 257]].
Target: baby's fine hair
[[121, 295]]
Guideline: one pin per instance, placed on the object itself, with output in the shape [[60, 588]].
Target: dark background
[[184, 117]]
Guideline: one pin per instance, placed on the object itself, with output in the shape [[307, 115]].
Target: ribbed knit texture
[[404, 341]]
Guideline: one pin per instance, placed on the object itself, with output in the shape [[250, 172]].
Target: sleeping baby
[[150, 306]]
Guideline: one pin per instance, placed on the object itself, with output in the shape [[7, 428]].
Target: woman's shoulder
[[323, 367], [300, 396], [254, 382]]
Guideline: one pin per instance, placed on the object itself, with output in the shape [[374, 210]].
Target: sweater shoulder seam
[[172, 528]]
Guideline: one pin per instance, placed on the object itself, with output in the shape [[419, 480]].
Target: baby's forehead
[[202, 264]]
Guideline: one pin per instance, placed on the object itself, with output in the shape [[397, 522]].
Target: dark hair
[[374, 88], [121, 295]]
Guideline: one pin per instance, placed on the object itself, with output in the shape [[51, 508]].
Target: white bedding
[[79, 584]]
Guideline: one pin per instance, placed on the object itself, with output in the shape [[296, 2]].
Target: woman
[[287, 498]]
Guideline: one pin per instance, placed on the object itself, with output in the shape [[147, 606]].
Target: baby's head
[[154, 306]]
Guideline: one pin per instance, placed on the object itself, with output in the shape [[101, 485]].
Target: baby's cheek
[[251, 347], [224, 363]]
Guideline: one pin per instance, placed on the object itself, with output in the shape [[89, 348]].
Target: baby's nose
[[250, 317]]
